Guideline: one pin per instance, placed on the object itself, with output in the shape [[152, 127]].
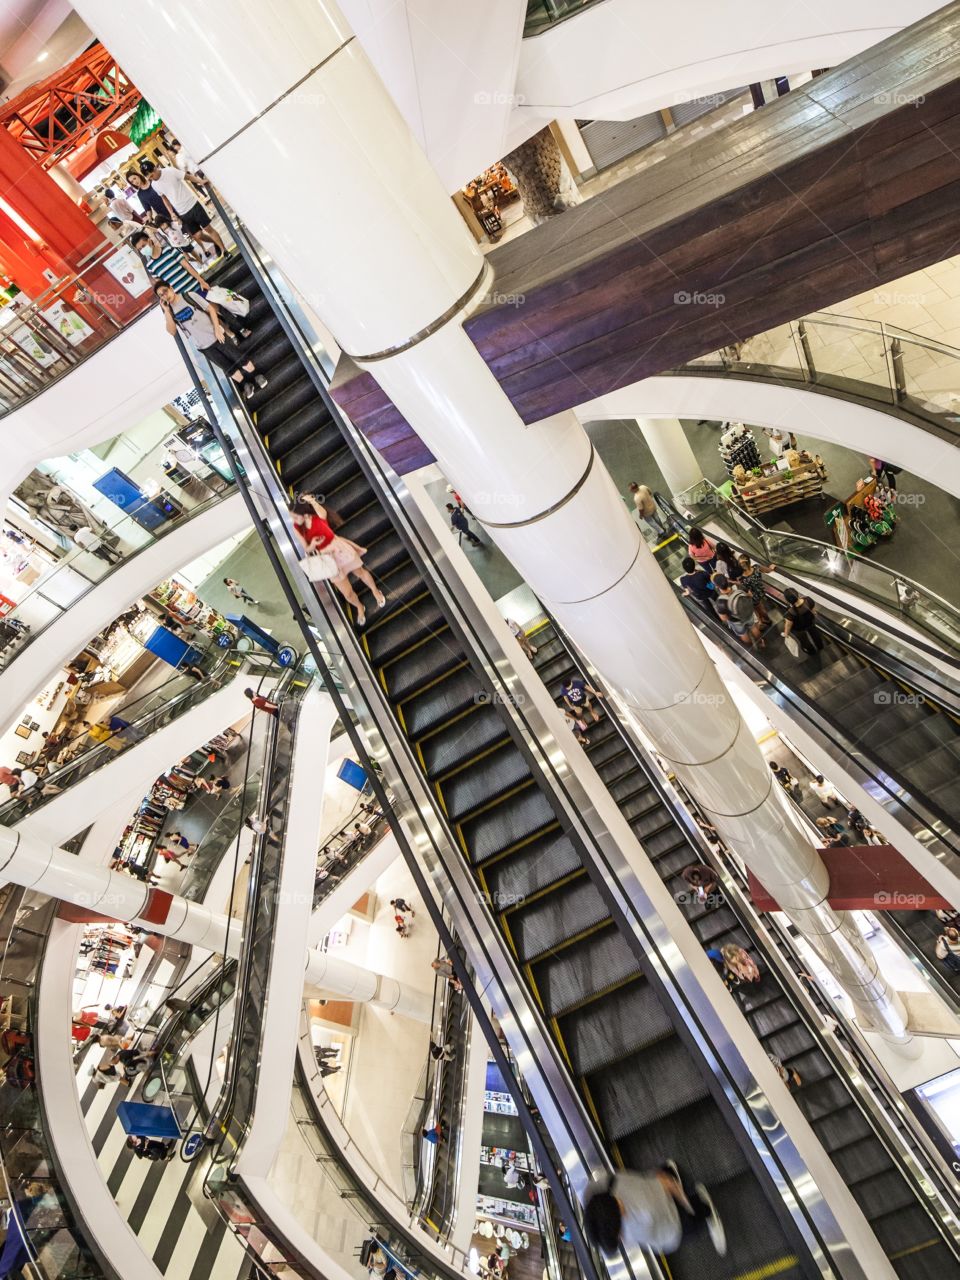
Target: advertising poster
[[126, 266], [67, 323]]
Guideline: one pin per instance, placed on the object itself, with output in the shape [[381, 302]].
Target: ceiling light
[[42, 57]]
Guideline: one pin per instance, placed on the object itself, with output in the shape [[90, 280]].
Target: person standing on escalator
[[331, 558], [800, 621], [654, 1210], [203, 326]]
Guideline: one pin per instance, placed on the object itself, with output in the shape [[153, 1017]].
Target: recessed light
[[42, 57]]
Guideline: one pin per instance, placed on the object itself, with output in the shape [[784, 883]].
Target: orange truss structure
[[57, 115]]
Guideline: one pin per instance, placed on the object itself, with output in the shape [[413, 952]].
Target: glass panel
[[542, 14], [778, 349], [930, 379], [849, 355]]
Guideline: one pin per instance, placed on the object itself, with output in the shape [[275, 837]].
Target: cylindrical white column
[[391, 269], [671, 452], [30, 862]]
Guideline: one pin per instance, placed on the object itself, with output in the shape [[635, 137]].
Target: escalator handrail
[[671, 511], [743, 1096], [875, 1103]]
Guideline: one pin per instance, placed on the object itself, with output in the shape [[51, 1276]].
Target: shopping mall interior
[[479, 639]]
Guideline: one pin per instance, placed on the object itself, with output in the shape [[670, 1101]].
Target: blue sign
[[192, 1145], [130, 498], [353, 774], [286, 656], [224, 640], [145, 1120]]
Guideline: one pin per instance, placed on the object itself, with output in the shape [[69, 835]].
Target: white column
[[671, 452], [34, 864], [253, 91]]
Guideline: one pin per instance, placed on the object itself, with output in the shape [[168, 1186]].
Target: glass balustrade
[[877, 363], [543, 14]]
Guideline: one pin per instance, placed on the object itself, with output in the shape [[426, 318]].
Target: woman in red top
[[314, 531]]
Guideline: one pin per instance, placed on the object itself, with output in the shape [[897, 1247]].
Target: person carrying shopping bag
[[331, 558]]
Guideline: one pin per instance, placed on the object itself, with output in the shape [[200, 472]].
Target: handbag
[[226, 298], [320, 566], [792, 645]]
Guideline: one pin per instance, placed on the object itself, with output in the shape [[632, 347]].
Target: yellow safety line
[[407, 604], [430, 683], [417, 644], [542, 893], [914, 1248], [666, 542], [559, 947], [466, 764], [515, 848], [602, 993], [521, 786], [474, 706], [775, 1268]]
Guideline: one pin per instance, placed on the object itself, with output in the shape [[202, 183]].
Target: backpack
[[740, 604]]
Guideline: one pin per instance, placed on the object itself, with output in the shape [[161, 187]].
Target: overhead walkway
[[595, 992], [62, 618]]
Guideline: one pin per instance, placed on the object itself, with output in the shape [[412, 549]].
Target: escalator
[[906, 734], [164, 706], [648, 1090], [439, 1206], [910, 1236]]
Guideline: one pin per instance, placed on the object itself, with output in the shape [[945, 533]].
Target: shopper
[[167, 263], [948, 948], [444, 1051], [646, 508], [261, 703], [151, 202], [856, 820], [401, 904], [654, 1210], [327, 1070], [335, 558], [204, 328], [239, 592], [168, 855], [435, 1134], [458, 521], [885, 472], [751, 579], [740, 964], [701, 549], [87, 540], [178, 841], [184, 206], [786, 779], [529, 650], [577, 725], [800, 621], [578, 697], [702, 882], [728, 563], [824, 791], [734, 606], [120, 207], [696, 583], [832, 833]]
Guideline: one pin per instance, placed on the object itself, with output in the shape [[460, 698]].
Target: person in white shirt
[[125, 227], [181, 200], [184, 161], [646, 507], [120, 206], [649, 1211], [521, 637], [86, 538], [824, 791]]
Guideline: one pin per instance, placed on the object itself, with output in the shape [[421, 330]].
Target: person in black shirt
[[696, 584], [458, 521], [801, 622]]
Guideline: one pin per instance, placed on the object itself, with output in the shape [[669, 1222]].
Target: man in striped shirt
[[167, 263]]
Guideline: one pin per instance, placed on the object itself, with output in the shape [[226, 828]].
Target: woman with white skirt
[[331, 558]]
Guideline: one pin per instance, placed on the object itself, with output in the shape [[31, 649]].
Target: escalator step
[[477, 784], [269, 346], [757, 1246], [601, 1033], [601, 751], [384, 554], [789, 1042], [921, 740], [345, 499], [235, 274], [665, 840], [287, 379], [427, 663], [616, 767], [311, 420], [541, 863], [395, 634], [400, 586], [434, 706], [338, 464], [933, 770], [776, 1016], [545, 923], [946, 797], [656, 1081], [369, 524], [467, 735], [841, 1128], [513, 820], [669, 865], [630, 784], [929, 1259], [593, 965], [715, 928], [837, 665], [821, 1098], [884, 1193], [905, 1229], [860, 1160], [697, 1137], [281, 401]]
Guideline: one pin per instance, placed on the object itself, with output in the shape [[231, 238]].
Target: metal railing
[[544, 14], [914, 377], [898, 594]]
